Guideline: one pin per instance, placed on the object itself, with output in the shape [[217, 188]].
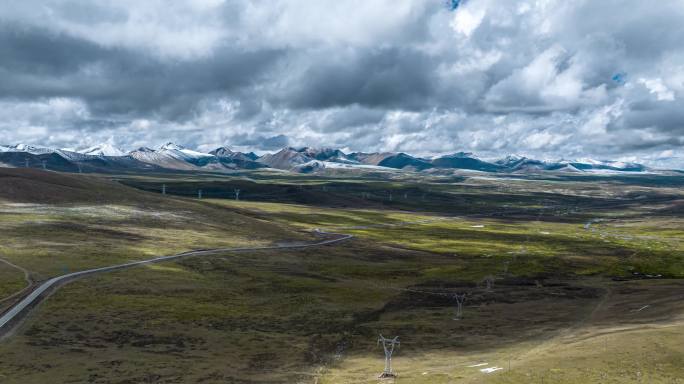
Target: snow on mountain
[[317, 165], [32, 149], [568, 168], [41, 150], [226, 153], [237, 160], [174, 156], [183, 153], [587, 164], [468, 155], [510, 160], [610, 163], [171, 146], [103, 150], [326, 154], [72, 155], [144, 154], [150, 156], [518, 163]]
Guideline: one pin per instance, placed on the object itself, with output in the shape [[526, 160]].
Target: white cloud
[[183, 29], [468, 17], [656, 86]]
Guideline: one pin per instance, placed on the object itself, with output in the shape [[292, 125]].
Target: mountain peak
[[170, 146], [462, 155], [33, 149], [222, 152], [144, 150], [103, 150]]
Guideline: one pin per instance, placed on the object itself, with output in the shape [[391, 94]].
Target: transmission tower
[[199, 194], [237, 193], [460, 299], [388, 345], [488, 282], [26, 161], [44, 165], [163, 189]]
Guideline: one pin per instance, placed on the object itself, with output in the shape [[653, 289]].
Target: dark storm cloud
[[668, 118], [32, 51], [375, 77], [262, 142], [39, 63], [172, 90], [349, 118]]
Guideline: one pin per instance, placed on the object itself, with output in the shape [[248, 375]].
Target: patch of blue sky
[[453, 4], [620, 78]]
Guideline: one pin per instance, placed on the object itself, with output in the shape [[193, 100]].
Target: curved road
[[37, 295]]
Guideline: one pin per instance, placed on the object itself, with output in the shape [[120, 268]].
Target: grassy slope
[[540, 244], [292, 316], [98, 223], [25, 185], [297, 316], [12, 281]]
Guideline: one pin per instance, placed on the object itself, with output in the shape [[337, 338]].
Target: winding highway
[[11, 317]]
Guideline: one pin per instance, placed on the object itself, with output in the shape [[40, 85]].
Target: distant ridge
[[172, 156]]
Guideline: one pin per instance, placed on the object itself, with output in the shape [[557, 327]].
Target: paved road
[[37, 295]]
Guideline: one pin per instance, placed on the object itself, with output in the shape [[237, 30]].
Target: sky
[[544, 78]]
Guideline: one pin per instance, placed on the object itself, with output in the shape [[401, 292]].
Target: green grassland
[[92, 222], [570, 302], [69, 238], [529, 247], [12, 281]]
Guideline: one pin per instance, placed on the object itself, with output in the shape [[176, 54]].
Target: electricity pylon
[[237, 194], [388, 345], [488, 282], [460, 299]]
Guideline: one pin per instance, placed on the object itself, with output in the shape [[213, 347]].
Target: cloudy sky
[[552, 79]]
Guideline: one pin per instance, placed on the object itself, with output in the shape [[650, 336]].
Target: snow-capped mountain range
[[170, 156]]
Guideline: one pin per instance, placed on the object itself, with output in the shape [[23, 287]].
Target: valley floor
[[567, 302]]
